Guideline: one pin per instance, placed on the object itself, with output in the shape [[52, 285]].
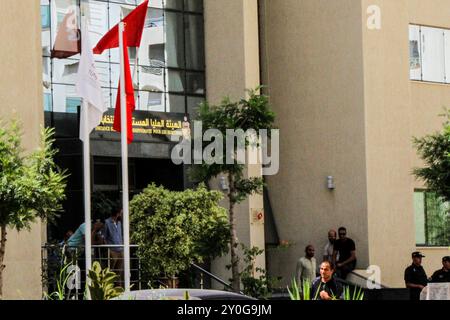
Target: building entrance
[[106, 178]]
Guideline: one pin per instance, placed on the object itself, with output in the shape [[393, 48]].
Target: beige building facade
[[337, 73], [338, 79], [21, 99]]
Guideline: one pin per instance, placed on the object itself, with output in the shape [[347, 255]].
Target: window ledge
[[430, 82]]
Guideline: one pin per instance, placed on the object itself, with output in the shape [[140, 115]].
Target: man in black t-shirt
[[347, 254], [442, 275], [415, 276], [326, 287]]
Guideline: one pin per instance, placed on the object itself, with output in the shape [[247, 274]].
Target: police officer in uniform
[[442, 275], [415, 276]]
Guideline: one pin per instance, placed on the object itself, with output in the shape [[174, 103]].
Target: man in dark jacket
[[442, 275], [326, 287], [415, 276], [345, 248]]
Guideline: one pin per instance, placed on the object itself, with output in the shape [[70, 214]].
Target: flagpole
[[87, 189], [124, 143], [86, 180]]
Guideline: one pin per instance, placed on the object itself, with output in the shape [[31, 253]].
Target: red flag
[[129, 93], [134, 26]]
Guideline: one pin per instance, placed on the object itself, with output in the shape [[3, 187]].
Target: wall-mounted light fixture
[[330, 183]]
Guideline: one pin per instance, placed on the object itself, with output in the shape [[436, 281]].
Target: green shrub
[[175, 229]]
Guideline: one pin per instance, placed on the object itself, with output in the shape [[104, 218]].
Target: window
[[432, 219], [171, 58], [429, 54]]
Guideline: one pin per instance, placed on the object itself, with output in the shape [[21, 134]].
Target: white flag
[[88, 86]]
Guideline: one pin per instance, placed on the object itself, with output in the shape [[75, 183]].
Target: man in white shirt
[[306, 266], [329, 247]]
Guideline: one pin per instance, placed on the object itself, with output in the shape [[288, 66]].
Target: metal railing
[[56, 256], [211, 276]]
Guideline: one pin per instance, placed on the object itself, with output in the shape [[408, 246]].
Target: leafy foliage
[[253, 113], [175, 229], [31, 186], [258, 286], [61, 285], [246, 115], [296, 294], [102, 283], [305, 293], [434, 150], [357, 294]]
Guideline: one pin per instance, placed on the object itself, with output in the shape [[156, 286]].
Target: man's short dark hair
[[330, 263], [342, 229]]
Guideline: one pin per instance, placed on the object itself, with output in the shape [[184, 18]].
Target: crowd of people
[[109, 234], [339, 259], [416, 278]]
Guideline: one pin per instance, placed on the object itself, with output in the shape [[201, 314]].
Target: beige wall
[[313, 65], [388, 140], [21, 98], [232, 60], [347, 108], [427, 102]]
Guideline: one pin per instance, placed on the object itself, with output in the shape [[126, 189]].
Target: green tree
[[434, 150], [174, 229], [31, 186], [252, 113]]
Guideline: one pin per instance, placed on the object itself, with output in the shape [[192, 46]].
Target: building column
[[232, 65]]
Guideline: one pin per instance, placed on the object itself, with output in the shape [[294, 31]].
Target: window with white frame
[[429, 54]]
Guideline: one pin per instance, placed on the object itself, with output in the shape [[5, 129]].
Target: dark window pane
[[175, 103], [193, 5], [176, 81], [174, 4], [195, 83], [195, 51], [106, 174], [193, 105], [174, 36]]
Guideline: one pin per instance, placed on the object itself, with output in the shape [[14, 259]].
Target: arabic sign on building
[[144, 122]]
